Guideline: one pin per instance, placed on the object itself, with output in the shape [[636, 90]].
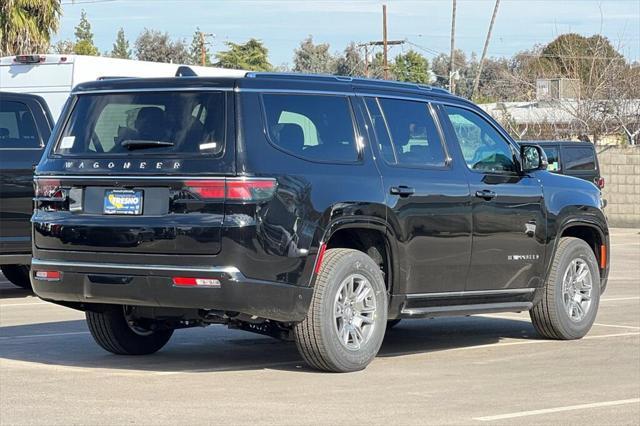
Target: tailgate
[[130, 215]]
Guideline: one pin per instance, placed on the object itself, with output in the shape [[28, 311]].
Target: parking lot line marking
[[517, 343], [27, 336], [2, 305], [558, 409], [632, 327], [613, 299]]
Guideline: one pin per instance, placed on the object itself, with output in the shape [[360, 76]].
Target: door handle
[[402, 190], [486, 194]]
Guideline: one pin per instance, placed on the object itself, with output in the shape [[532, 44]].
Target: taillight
[[48, 188], [50, 195], [47, 275], [600, 182], [245, 189], [195, 282], [250, 189], [207, 189]]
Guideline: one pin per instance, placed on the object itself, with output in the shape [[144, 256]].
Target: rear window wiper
[[142, 144]]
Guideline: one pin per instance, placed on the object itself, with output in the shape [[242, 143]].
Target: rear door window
[[17, 126], [414, 137], [141, 123], [579, 159], [313, 127]]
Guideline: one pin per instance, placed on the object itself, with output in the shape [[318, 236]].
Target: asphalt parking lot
[[489, 369]]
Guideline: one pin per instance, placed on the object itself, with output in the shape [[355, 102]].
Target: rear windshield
[[134, 124]]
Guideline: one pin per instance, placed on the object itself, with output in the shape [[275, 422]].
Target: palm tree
[[26, 25]]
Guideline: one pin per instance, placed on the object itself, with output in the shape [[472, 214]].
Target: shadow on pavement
[[216, 348]]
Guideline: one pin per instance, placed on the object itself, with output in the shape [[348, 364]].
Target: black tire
[[112, 332], [550, 317], [18, 275], [317, 336], [392, 323]]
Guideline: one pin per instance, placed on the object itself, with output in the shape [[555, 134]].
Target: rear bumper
[[152, 285]]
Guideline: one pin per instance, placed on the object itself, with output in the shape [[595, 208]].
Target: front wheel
[[346, 322], [117, 333], [571, 295]]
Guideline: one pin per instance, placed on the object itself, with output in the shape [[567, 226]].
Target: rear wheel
[[346, 322], [115, 332], [571, 295], [17, 274]]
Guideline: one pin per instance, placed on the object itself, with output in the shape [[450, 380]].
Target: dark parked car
[[312, 208], [572, 158], [25, 126]]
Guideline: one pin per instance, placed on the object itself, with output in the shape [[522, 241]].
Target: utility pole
[[203, 47], [366, 60], [376, 43], [384, 42], [484, 51], [452, 67]]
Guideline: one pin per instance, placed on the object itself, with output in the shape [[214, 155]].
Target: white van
[[53, 76]]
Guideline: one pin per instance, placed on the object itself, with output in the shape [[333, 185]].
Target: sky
[[425, 24]]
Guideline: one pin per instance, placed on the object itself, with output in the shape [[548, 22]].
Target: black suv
[[25, 126], [313, 208]]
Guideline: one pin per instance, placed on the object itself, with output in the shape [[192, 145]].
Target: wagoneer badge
[[123, 165]]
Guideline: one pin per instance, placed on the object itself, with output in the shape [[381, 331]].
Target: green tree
[[350, 63], [84, 37], [411, 67], [155, 46], [313, 58], [121, 46], [26, 25], [251, 56], [63, 47], [196, 50]]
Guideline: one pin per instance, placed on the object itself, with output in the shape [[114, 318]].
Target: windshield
[[134, 124]]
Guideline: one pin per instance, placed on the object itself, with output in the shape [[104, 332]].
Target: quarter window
[[483, 148], [414, 137], [314, 127], [17, 126], [576, 158]]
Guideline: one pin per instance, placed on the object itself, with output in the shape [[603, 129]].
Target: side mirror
[[532, 157]]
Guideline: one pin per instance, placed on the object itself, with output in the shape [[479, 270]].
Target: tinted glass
[[483, 148], [552, 158], [314, 127], [17, 126], [579, 159], [415, 137], [145, 123], [382, 133]]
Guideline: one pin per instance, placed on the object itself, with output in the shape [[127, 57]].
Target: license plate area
[[123, 202]]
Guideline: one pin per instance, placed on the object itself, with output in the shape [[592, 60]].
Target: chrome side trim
[[232, 271], [120, 177], [456, 310], [470, 293]]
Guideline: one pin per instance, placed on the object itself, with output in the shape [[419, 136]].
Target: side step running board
[[456, 310]]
